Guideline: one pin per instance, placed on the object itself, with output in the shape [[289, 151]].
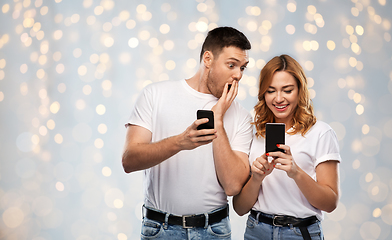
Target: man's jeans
[[155, 230]]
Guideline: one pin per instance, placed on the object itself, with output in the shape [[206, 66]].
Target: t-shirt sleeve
[[243, 137], [327, 148], [142, 112]]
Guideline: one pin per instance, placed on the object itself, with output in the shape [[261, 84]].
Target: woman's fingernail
[[267, 154], [278, 145]]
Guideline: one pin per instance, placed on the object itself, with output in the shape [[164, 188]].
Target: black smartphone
[[206, 114], [274, 134]]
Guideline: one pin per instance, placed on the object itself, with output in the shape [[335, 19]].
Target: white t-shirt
[[186, 183], [279, 194]]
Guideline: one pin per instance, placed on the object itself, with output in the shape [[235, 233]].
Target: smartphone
[[206, 114], [274, 134]]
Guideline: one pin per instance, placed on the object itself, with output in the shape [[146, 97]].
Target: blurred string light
[[65, 95]]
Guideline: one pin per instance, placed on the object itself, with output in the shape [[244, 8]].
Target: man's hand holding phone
[[192, 137], [205, 114]]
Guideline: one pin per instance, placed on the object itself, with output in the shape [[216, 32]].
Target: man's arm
[[232, 167], [140, 153]]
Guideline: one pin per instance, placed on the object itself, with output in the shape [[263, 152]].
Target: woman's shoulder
[[320, 127]]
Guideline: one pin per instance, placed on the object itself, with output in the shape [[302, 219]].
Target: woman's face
[[282, 97]]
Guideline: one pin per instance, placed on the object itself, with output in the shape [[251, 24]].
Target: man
[[189, 173]]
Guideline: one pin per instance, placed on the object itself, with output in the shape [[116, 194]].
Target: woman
[[287, 194]]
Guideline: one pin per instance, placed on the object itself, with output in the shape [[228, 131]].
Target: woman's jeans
[[256, 230]]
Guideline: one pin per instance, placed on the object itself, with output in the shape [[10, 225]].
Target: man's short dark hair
[[221, 37]]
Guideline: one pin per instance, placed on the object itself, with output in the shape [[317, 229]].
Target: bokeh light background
[[70, 72]]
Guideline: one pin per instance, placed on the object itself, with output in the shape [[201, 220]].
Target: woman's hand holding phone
[[261, 168], [284, 161]]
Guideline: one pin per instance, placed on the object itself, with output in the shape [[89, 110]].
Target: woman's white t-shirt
[[279, 194]]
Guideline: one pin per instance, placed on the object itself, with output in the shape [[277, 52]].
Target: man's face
[[227, 67]]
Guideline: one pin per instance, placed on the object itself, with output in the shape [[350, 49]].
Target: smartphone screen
[[274, 134], [206, 114]]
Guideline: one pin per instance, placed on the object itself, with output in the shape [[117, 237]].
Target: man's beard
[[212, 87]]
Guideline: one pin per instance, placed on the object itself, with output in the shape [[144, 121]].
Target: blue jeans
[[156, 230], [256, 230]]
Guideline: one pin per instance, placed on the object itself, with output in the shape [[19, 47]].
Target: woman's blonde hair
[[303, 118]]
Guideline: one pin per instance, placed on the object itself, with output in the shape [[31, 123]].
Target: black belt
[[188, 221], [285, 221]]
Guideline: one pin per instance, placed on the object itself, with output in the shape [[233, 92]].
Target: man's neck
[[199, 81]]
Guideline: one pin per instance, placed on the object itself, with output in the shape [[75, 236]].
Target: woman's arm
[[322, 194], [245, 200]]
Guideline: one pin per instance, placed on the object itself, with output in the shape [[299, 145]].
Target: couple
[[188, 173]]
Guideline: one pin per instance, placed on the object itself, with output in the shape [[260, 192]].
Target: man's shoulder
[[238, 112], [165, 83], [238, 108], [162, 85]]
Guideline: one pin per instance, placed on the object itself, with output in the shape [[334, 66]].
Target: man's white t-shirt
[[186, 183], [279, 194]]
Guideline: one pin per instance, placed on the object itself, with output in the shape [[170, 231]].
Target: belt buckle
[[184, 221], [273, 221]]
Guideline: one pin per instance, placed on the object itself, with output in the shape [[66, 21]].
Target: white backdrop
[[70, 72]]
